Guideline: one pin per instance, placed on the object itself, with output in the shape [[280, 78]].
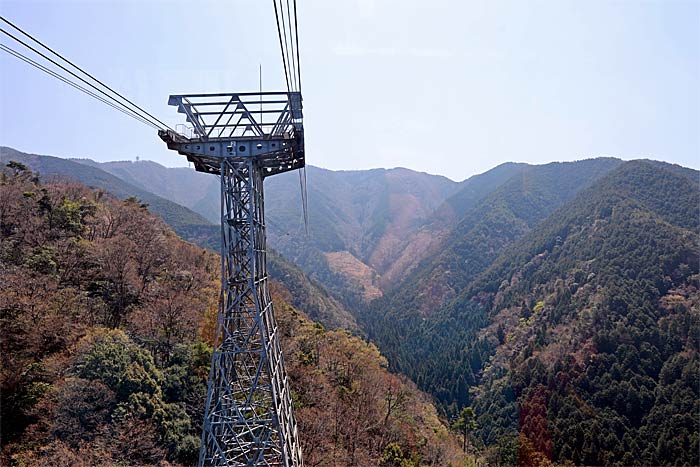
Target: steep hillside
[[580, 342], [108, 320], [366, 218], [181, 185], [426, 241], [307, 295], [363, 218], [494, 222], [599, 314], [186, 223], [500, 218]]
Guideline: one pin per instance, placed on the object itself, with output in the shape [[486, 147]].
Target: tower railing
[[241, 115], [266, 125]]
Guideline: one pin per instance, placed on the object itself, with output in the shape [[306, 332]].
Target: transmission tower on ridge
[[243, 138]]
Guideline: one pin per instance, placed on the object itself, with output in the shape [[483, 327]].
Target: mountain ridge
[[362, 212], [185, 222], [495, 221], [552, 325], [590, 304], [308, 294], [109, 322]]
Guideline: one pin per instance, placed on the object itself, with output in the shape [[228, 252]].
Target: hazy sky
[[448, 87]]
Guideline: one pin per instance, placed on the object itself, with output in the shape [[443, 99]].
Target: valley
[[349, 234], [560, 301], [108, 324]]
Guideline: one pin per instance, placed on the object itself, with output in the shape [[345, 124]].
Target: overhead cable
[[290, 44], [41, 67], [287, 32], [279, 34], [145, 114], [296, 35], [304, 198]]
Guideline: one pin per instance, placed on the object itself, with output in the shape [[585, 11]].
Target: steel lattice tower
[[248, 419]]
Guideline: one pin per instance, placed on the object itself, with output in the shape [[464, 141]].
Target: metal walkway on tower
[[267, 125]]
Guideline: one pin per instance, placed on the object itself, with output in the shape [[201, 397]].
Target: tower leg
[[248, 418]]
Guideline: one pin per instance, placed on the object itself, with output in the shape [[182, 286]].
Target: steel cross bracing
[[248, 417], [266, 124]]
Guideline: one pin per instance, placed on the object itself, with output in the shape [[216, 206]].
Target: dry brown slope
[[104, 354]]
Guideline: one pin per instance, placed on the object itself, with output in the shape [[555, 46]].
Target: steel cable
[[144, 114], [75, 85]]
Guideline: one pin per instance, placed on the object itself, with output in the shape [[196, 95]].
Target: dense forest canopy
[[579, 342]]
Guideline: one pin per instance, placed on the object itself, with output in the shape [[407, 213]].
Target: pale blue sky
[[448, 87]]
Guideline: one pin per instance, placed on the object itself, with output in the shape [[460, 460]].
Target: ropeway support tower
[[244, 138]]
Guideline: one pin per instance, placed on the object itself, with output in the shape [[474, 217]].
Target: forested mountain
[[185, 222], [491, 223], [108, 319], [579, 342], [432, 234], [561, 302], [368, 229], [181, 185], [594, 326], [359, 221], [352, 210], [308, 295]]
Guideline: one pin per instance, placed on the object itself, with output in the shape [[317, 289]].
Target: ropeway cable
[[144, 114], [75, 85]]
